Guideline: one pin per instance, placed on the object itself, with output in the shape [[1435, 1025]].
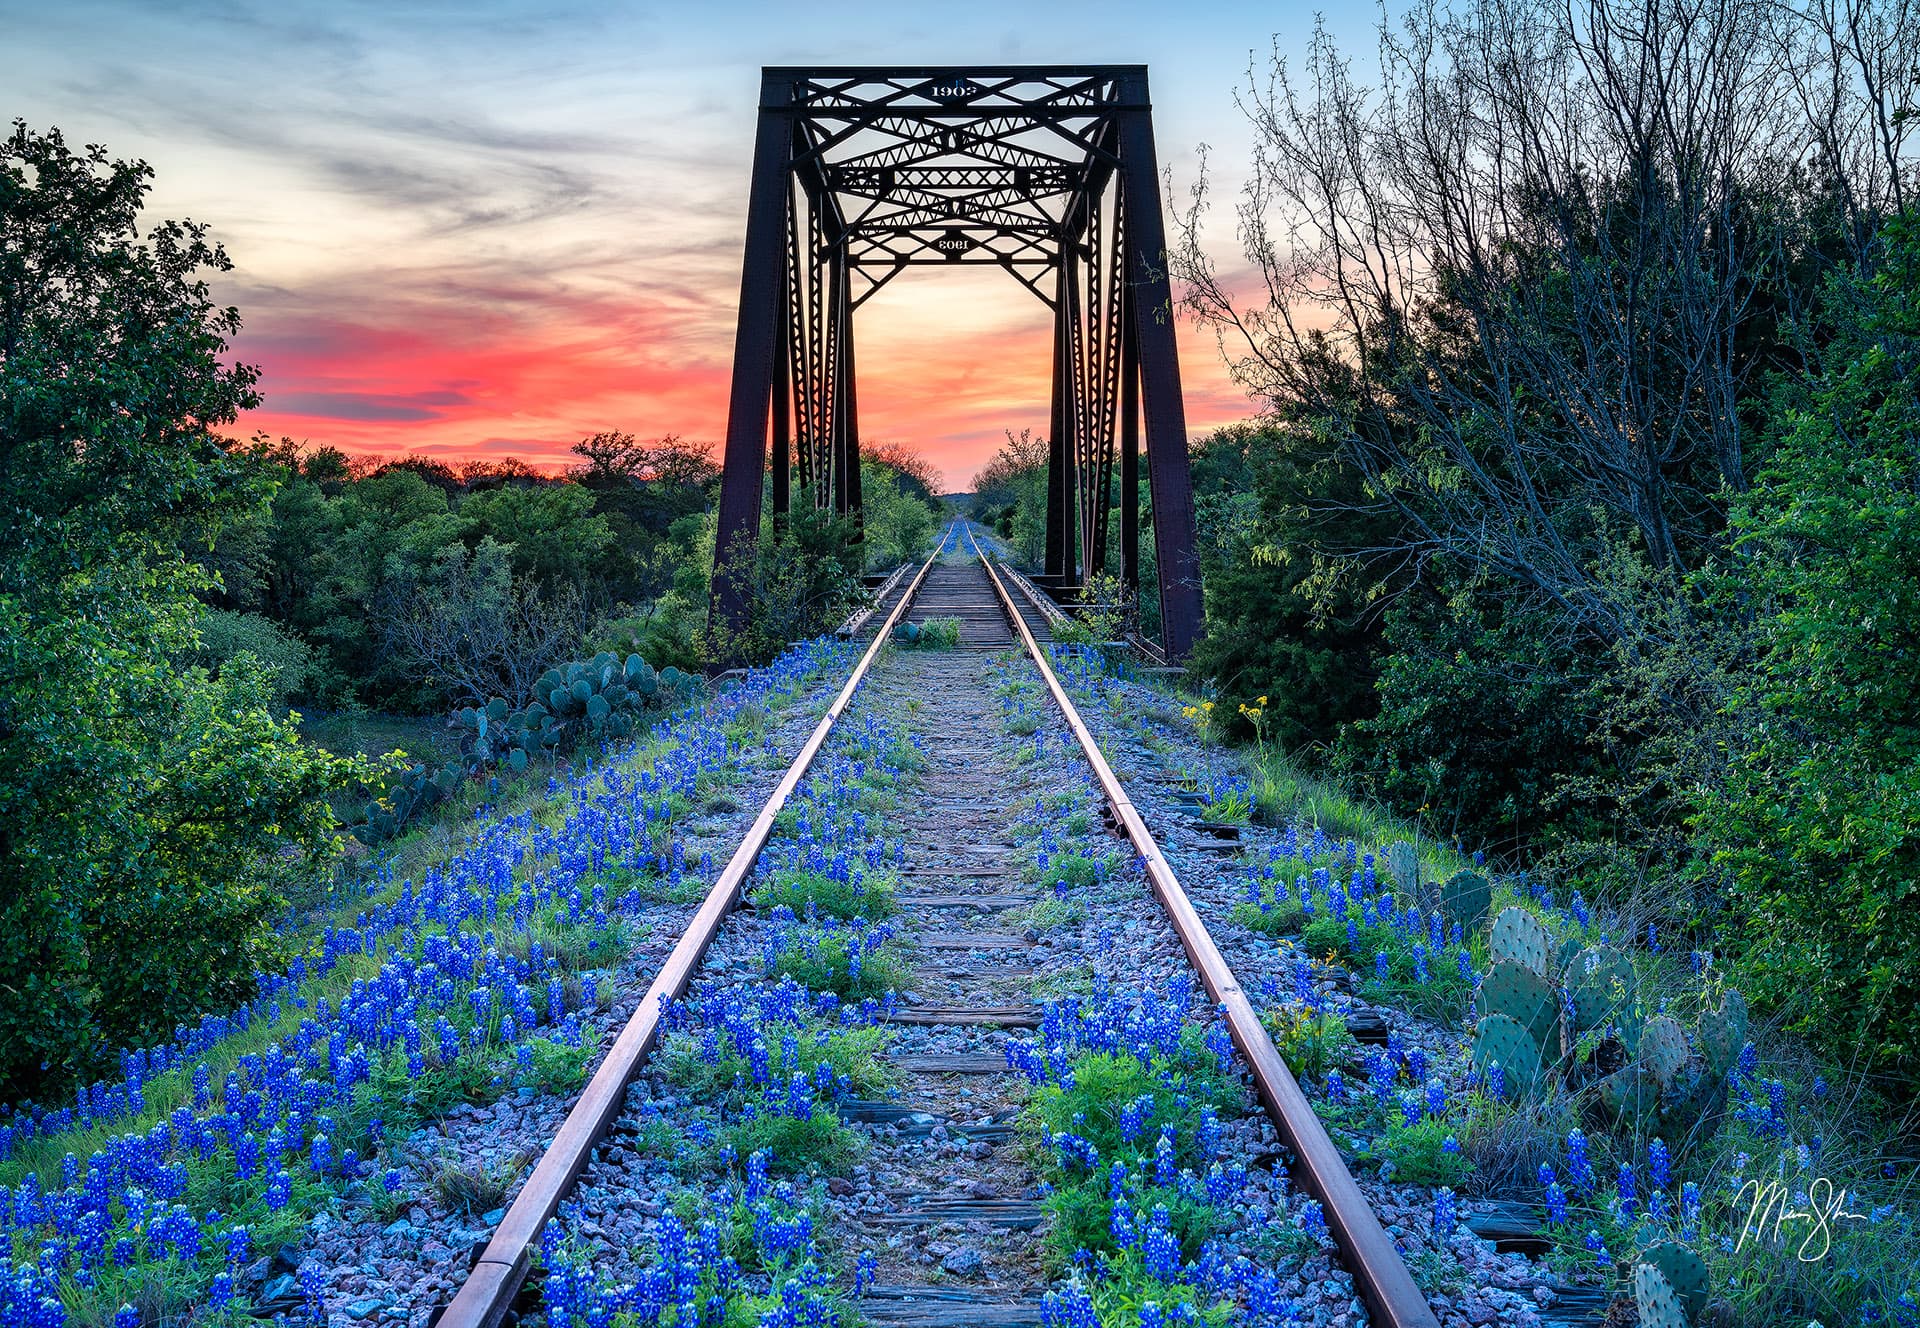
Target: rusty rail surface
[[1393, 1299], [489, 1289]]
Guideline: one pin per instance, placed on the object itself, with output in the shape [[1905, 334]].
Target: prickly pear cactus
[[1600, 980], [1685, 1274], [1659, 1304], [1723, 1032], [1527, 998], [1403, 861], [1501, 1040], [1466, 898], [1521, 937], [1631, 1094], [1663, 1049]]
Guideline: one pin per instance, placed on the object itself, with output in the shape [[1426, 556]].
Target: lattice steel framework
[[1047, 172]]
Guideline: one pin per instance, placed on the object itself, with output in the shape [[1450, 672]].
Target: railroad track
[[942, 1157]]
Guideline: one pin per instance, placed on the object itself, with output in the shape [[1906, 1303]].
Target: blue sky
[[480, 230]]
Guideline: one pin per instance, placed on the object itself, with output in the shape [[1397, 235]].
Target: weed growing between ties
[[933, 634], [841, 896]]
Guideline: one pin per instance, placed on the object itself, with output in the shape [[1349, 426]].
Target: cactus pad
[[1659, 1304], [1403, 861], [1466, 898], [1630, 1094], [1723, 1032], [1521, 937], [1600, 980], [1499, 1039], [1527, 998], [1685, 1274], [1663, 1049]]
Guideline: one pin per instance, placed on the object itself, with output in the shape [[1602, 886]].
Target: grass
[[372, 733], [871, 898], [1048, 913], [821, 960], [1270, 917], [474, 1186], [938, 634]]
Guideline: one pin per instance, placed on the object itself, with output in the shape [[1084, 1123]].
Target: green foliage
[[932, 634], [557, 1067], [851, 1051], [804, 575], [1082, 1214], [1106, 1084], [1419, 1153], [1274, 915], [1069, 869], [1010, 496], [793, 1145], [872, 897], [284, 659], [898, 513], [1310, 1043], [1286, 617], [152, 817], [1480, 717], [819, 959], [1817, 826]]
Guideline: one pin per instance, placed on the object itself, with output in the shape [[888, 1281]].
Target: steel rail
[[1392, 1297], [488, 1291]]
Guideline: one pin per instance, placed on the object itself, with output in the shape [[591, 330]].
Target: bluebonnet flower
[[1579, 1167], [1313, 1219], [1443, 1213], [1659, 1165]]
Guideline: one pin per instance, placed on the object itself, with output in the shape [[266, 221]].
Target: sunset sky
[[482, 230]]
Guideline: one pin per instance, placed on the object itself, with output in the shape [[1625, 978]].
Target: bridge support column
[[1129, 444], [1170, 483], [1060, 444], [756, 336]]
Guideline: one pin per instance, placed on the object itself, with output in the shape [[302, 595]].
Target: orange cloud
[[413, 372]]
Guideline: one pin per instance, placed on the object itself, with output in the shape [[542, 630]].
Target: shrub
[[284, 659], [1818, 822]]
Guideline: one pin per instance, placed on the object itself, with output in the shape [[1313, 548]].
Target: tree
[[474, 630], [1010, 494], [150, 816], [910, 465], [1817, 826], [1288, 617], [1550, 260], [1532, 286]]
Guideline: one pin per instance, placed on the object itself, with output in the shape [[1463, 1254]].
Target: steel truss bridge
[[1048, 172]]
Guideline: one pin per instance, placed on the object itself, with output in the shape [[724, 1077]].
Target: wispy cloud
[[490, 229]]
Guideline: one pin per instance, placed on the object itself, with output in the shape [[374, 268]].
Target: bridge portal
[[1048, 172]]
